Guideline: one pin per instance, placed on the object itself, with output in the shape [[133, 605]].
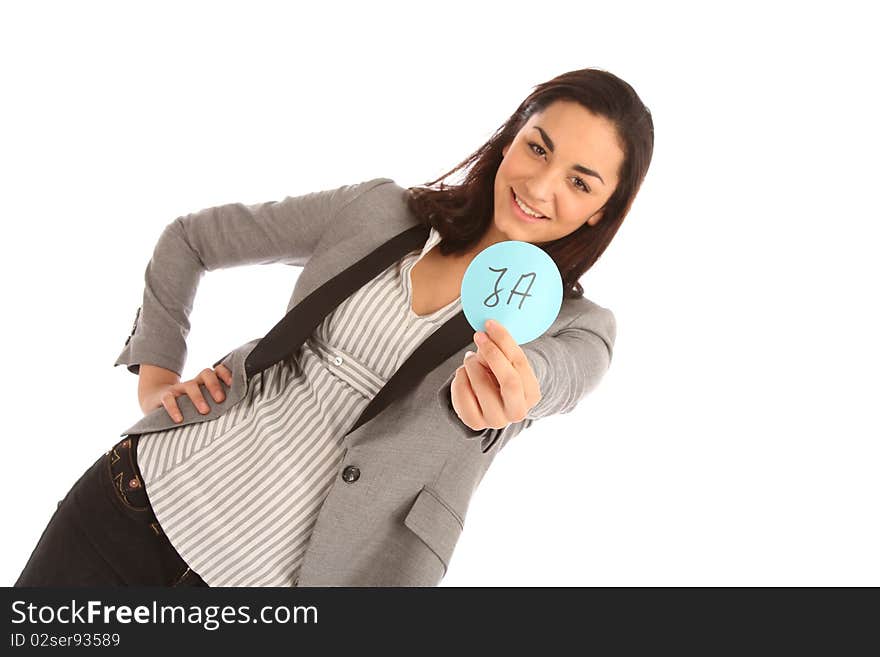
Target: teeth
[[525, 208]]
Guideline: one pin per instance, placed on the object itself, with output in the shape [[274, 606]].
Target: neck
[[490, 237]]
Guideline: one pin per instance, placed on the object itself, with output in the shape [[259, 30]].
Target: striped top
[[238, 495]]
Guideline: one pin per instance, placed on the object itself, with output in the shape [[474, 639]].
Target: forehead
[[578, 135], [571, 117]]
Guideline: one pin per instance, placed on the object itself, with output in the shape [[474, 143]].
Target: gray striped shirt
[[238, 496]]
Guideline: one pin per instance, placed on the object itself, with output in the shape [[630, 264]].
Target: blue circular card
[[515, 283]]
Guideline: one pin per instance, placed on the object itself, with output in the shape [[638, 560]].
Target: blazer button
[[337, 360], [350, 474]]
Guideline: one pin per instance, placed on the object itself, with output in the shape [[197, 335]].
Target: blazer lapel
[[451, 337], [288, 335]]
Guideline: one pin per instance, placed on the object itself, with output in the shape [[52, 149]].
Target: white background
[[734, 440]]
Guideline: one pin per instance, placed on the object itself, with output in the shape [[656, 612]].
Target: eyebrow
[[576, 167]]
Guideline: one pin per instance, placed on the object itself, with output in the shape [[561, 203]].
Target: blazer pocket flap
[[436, 523]]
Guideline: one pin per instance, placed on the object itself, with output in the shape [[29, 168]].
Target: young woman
[[342, 448]]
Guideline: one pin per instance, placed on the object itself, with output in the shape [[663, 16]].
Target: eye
[[532, 145], [585, 187]]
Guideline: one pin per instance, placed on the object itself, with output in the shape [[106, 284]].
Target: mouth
[[524, 214]]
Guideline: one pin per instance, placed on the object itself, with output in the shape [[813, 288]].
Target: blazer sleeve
[[573, 362], [568, 365], [230, 235]]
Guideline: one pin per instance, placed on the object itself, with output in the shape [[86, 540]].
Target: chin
[[509, 232], [520, 234]]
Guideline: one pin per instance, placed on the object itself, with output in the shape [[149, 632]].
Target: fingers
[[211, 379], [195, 393], [508, 346], [487, 393], [212, 383], [464, 401], [518, 359], [169, 401], [224, 373], [190, 389], [509, 380]]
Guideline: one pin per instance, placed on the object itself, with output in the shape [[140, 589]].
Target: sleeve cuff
[[134, 354]]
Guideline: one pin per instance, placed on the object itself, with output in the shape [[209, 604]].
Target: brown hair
[[462, 213]]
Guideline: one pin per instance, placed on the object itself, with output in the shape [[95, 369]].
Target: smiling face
[[562, 164]]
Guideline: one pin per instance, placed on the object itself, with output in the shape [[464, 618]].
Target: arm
[[230, 235], [568, 364], [568, 367], [573, 362], [151, 378]]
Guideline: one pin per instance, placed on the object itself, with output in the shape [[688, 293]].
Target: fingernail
[[490, 322], [468, 354], [480, 337], [177, 418]]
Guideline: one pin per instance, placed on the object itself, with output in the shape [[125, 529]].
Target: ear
[[596, 218]]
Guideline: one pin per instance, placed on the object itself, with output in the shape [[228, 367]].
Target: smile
[[523, 211]]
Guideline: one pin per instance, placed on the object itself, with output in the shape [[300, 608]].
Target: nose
[[540, 187]]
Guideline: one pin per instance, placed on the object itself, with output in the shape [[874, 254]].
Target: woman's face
[[545, 166]]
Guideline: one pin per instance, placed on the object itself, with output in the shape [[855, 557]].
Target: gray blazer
[[410, 465]]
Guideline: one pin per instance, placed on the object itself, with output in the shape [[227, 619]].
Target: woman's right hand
[[166, 394]]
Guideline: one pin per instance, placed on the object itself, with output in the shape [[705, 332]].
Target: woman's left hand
[[495, 386]]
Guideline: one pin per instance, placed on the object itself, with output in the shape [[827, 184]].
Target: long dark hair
[[462, 213]]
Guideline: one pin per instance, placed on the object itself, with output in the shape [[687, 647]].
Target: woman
[[350, 460]]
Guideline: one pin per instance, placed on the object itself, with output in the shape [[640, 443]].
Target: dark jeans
[[104, 533]]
